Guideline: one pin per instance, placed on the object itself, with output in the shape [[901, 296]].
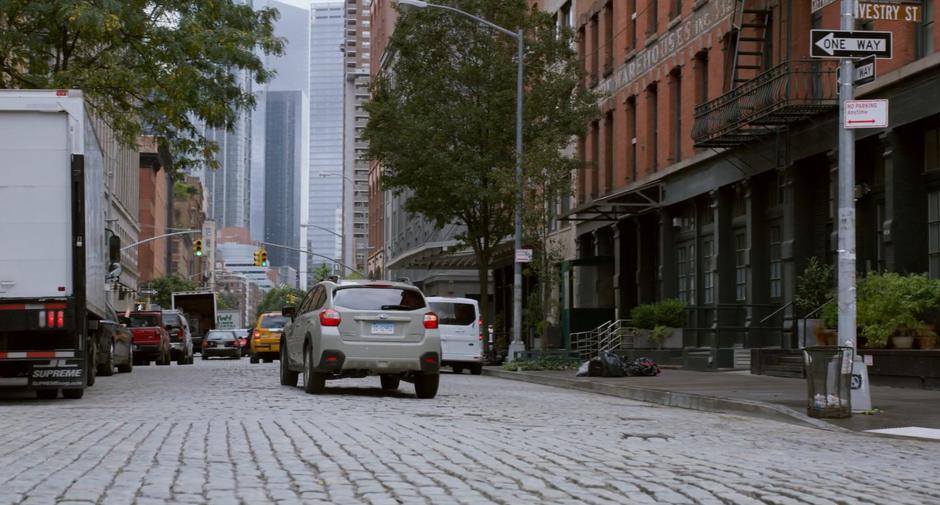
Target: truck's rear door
[[35, 214]]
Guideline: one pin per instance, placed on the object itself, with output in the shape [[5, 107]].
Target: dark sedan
[[220, 343]]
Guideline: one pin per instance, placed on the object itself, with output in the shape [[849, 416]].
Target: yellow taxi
[[266, 337]]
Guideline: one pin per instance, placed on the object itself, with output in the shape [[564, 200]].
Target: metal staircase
[[751, 24]]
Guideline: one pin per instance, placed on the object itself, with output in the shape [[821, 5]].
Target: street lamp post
[[516, 345]]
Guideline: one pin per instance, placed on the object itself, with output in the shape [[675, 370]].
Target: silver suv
[[356, 329]]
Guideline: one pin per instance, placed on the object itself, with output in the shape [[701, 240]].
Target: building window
[[676, 116], [609, 151], [631, 37], [631, 136], [582, 177], [652, 97], [708, 275], [933, 234], [595, 50], [925, 30], [776, 264], [608, 37], [701, 77], [740, 266], [675, 8], [595, 158], [582, 51], [685, 268], [564, 15], [652, 19]]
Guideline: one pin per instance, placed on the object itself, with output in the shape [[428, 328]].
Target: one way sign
[[850, 44]]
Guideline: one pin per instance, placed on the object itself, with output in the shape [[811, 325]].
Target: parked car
[[461, 333], [220, 343], [151, 342], [115, 348], [242, 335], [357, 329], [181, 339], [266, 337]]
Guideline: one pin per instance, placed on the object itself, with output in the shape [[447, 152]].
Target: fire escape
[[762, 99]]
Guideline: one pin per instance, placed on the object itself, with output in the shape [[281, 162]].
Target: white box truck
[[54, 256]]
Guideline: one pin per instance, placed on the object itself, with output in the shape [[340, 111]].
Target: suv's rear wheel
[[389, 382], [314, 382], [426, 385], [288, 377]]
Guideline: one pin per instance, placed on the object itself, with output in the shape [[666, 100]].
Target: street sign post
[[883, 11], [864, 71], [850, 44], [865, 114], [819, 4]]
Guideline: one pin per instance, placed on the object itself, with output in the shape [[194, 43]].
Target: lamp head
[[421, 4]]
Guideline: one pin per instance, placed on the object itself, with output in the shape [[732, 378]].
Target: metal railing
[[610, 336], [786, 93], [730, 325]]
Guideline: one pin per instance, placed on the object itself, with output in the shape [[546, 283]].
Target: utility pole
[[846, 217]]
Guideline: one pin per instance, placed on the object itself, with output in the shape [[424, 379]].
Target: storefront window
[[740, 266], [933, 234], [776, 265], [708, 276], [685, 266]]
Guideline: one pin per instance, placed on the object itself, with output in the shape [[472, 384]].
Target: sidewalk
[[781, 398]]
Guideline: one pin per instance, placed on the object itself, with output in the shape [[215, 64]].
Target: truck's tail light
[[330, 317], [42, 319], [430, 321], [60, 319], [50, 319]]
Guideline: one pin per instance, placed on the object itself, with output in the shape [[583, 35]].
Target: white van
[[461, 335]]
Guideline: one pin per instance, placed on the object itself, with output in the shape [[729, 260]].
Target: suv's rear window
[[143, 320], [366, 298], [462, 314], [171, 319], [273, 321]]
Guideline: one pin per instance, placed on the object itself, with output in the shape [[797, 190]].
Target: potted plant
[[660, 323], [814, 290], [891, 308], [926, 337]]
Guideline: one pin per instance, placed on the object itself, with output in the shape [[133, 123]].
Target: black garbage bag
[[613, 364], [643, 367], [595, 367]]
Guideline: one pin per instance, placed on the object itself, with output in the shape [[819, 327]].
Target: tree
[[322, 272], [277, 298], [442, 120], [226, 301], [166, 286], [161, 66]]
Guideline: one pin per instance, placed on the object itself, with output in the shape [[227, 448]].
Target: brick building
[[712, 174], [188, 213], [154, 210]]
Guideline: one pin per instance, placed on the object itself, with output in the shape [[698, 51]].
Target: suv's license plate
[[383, 328]]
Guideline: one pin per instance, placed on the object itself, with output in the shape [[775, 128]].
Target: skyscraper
[[227, 189], [325, 190], [283, 159], [356, 166]]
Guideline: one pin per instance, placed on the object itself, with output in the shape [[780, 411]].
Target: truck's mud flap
[[57, 373]]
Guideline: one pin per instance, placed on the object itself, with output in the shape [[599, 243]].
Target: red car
[[151, 341]]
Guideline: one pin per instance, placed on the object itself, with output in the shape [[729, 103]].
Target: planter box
[[643, 340]]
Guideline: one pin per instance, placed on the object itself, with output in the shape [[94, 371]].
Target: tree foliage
[[442, 120], [277, 298], [160, 67], [166, 286]]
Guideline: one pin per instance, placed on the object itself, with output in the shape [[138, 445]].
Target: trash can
[[828, 381]]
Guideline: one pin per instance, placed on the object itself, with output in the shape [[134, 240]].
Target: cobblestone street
[[226, 432]]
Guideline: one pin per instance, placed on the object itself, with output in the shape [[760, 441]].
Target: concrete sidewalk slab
[[777, 397]]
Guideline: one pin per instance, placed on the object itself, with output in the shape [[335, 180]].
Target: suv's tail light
[[330, 317], [430, 321], [256, 334]]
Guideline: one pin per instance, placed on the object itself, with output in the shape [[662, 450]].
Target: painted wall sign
[[699, 23], [875, 11]]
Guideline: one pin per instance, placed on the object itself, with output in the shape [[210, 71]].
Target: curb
[[690, 401]]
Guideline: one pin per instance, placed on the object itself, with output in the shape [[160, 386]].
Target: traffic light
[[264, 258], [258, 258], [197, 247]]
